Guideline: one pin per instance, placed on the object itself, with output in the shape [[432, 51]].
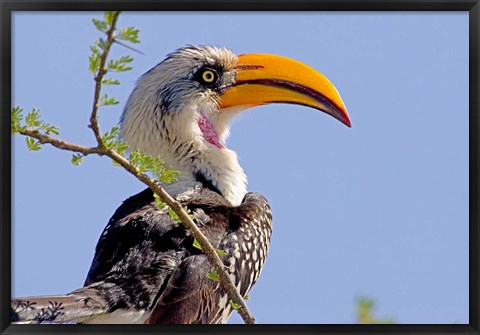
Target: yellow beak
[[264, 78]]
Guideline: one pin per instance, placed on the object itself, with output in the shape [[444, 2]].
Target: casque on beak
[[264, 78]]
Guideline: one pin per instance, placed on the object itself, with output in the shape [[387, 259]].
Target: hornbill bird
[[146, 268]]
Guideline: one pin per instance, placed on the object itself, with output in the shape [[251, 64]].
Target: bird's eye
[[207, 76]]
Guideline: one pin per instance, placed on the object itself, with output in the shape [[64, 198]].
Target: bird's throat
[[208, 131]]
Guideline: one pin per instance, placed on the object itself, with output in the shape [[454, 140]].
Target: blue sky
[[380, 209]]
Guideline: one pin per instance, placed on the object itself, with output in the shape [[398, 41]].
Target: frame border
[[472, 6]]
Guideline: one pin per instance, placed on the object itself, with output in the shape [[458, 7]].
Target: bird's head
[[180, 110]]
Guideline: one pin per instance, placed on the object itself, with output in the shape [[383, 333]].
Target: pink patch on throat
[[208, 132]]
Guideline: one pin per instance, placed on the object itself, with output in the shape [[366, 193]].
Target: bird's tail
[[70, 308]]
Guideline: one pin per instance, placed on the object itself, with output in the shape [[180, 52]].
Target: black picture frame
[[472, 6]]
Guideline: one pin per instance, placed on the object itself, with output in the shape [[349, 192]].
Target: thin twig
[[128, 47], [98, 80], [61, 144]]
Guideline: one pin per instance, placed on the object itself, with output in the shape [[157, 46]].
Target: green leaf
[[101, 25], [365, 306], [154, 165], [94, 60], [49, 129], [16, 119], [134, 157], [110, 137], [95, 49], [33, 119], [159, 203], [146, 163], [102, 44], [213, 276], [168, 175], [112, 134], [121, 146], [32, 144], [174, 215], [105, 101], [120, 65], [221, 252], [109, 16], [246, 297], [235, 305], [129, 34], [110, 81], [196, 244], [77, 159], [150, 164]]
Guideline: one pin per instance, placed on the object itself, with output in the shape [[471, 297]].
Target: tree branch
[[101, 149]]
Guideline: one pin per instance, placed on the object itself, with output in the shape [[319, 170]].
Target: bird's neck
[[219, 169], [199, 163], [214, 168]]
